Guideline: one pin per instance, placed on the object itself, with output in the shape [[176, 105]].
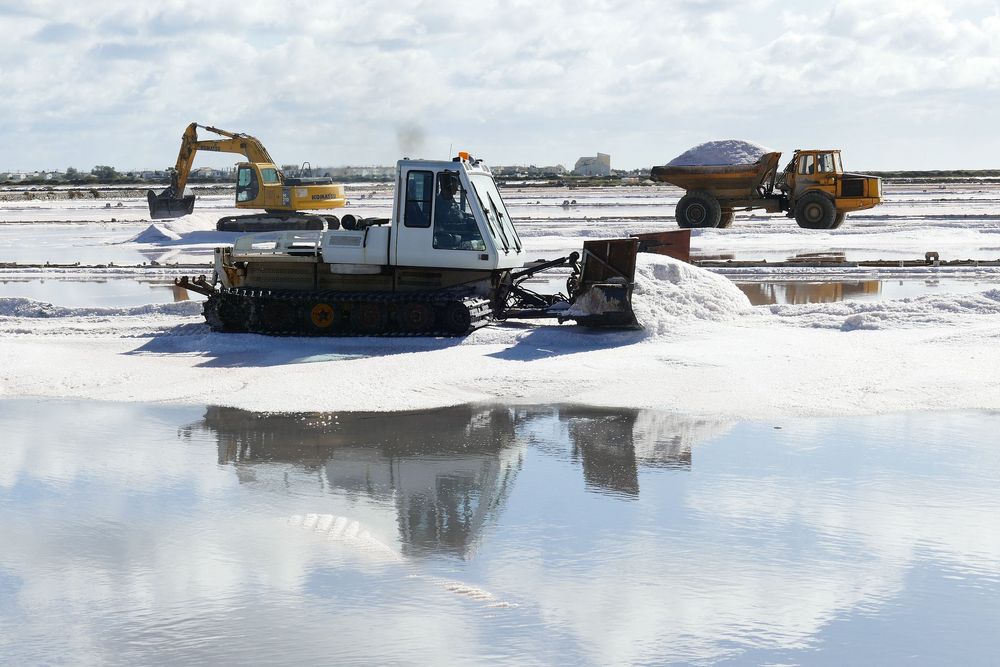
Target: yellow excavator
[[259, 185]]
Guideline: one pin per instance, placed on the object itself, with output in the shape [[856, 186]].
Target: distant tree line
[[104, 174]]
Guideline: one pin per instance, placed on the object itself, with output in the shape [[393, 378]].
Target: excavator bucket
[[603, 297], [166, 205]]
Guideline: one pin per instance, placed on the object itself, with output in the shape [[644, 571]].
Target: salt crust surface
[[704, 352]]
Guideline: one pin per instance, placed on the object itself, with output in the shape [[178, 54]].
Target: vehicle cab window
[[246, 184], [455, 226], [807, 164], [825, 163], [419, 188], [269, 175]]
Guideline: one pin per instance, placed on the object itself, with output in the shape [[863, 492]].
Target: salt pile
[[921, 311], [22, 307], [724, 152], [669, 292], [155, 234]]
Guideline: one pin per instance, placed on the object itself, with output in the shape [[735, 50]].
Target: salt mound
[[199, 221], [668, 291], [22, 307], [155, 234], [909, 312], [724, 152]]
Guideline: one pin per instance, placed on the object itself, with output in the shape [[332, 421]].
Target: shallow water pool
[[139, 533]]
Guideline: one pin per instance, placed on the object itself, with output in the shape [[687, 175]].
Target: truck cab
[[822, 171]]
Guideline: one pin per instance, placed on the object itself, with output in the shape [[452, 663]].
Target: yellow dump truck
[[813, 189]]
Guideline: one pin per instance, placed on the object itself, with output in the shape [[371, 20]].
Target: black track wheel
[[369, 318], [698, 209], [726, 220], [814, 210], [456, 318], [415, 317]]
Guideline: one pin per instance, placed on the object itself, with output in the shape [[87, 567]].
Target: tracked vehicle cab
[[452, 212]]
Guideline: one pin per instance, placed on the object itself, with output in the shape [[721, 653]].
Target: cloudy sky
[[897, 84]]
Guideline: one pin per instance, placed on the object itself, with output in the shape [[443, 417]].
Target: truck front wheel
[[815, 211], [698, 209]]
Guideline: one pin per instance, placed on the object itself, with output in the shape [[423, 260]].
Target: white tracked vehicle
[[448, 261]]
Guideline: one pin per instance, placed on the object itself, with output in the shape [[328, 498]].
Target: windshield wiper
[[501, 217], [489, 220], [497, 213]]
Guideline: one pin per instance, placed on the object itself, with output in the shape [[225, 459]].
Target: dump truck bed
[[738, 181]]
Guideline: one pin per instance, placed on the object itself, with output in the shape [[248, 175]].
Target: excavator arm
[[171, 203]]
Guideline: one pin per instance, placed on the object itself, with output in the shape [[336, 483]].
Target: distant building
[[593, 166], [206, 174], [530, 171]]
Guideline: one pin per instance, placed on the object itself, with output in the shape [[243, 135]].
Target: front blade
[[604, 305]]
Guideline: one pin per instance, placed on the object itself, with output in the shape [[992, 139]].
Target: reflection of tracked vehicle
[[447, 472], [259, 185], [447, 261], [813, 188]]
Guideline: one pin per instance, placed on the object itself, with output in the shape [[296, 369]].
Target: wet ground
[[96, 292], [956, 217], [121, 292], [828, 291], [136, 534]]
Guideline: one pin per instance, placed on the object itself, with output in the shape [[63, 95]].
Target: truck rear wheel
[[726, 221], [698, 209], [815, 211]]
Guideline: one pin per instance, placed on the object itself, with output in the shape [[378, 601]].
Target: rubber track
[[241, 310]]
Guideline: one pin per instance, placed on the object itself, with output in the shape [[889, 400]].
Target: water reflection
[[523, 535], [93, 292], [797, 292], [762, 293], [448, 472]]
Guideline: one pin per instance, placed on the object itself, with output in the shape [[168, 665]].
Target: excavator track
[[265, 222], [333, 313]]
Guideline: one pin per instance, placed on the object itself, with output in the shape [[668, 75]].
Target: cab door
[[247, 186], [414, 234], [815, 171], [438, 227]]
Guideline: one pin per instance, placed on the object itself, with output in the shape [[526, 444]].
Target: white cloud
[[516, 82]]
